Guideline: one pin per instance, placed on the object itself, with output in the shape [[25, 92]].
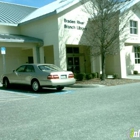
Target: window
[[72, 50], [137, 55], [133, 27], [30, 59], [29, 69], [49, 68], [21, 69]]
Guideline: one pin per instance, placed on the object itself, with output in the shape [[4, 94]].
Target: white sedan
[[39, 75]]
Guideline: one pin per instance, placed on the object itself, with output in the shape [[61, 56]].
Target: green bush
[[80, 76], [94, 75], [88, 76], [97, 74], [75, 75], [115, 76], [135, 72], [101, 76]]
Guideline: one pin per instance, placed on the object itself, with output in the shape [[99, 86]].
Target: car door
[[19, 74], [28, 74]]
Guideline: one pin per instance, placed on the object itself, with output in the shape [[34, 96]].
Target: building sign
[[74, 24], [3, 50]]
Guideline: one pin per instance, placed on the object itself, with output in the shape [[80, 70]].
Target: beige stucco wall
[[71, 24], [127, 56], [67, 28], [49, 54], [14, 57], [9, 29], [51, 30], [132, 38], [45, 29], [130, 60]]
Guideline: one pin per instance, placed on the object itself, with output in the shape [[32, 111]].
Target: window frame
[[137, 54], [133, 27], [72, 50]]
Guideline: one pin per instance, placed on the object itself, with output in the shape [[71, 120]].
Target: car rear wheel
[[6, 83], [35, 86], [59, 88]]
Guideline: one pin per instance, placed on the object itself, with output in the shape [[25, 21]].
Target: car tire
[[59, 88], [6, 83], [35, 86]]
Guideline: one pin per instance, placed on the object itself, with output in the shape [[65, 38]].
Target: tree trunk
[[103, 66]]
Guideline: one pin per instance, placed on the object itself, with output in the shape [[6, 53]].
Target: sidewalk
[[133, 77], [85, 85]]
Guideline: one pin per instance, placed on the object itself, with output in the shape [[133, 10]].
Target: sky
[[34, 3]]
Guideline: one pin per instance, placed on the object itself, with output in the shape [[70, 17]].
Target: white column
[[60, 56], [41, 50], [36, 54], [56, 55], [123, 64]]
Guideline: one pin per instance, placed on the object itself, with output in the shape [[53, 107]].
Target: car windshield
[[49, 68]]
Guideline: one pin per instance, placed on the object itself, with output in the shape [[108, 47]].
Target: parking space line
[[26, 94], [65, 92], [21, 93], [14, 99], [8, 96]]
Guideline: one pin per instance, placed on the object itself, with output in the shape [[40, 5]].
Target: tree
[[107, 22]]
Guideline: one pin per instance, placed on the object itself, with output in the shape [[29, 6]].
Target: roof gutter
[[38, 18], [129, 5], [9, 24]]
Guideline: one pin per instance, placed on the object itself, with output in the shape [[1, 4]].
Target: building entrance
[[75, 59], [73, 64]]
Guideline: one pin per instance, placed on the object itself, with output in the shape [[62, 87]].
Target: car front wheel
[[35, 86]]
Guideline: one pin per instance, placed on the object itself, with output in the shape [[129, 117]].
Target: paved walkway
[[97, 85], [133, 77]]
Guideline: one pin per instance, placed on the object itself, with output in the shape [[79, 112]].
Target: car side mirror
[[14, 71]]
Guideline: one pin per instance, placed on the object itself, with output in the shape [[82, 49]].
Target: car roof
[[33, 64]]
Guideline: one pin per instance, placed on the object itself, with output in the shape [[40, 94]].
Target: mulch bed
[[108, 82]]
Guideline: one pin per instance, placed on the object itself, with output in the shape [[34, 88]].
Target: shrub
[[75, 75], [94, 75], [115, 76], [135, 72], [97, 74], [101, 76], [80, 76], [88, 76]]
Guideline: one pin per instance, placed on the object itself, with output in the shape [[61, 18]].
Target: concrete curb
[[85, 85]]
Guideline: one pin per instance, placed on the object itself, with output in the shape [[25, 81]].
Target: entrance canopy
[[19, 39]]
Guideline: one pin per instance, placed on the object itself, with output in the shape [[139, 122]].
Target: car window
[[29, 69], [21, 69], [49, 68]]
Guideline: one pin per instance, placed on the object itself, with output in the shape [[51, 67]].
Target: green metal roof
[[12, 14], [15, 14], [55, 7]]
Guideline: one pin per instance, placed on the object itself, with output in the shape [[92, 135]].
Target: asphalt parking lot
[[101, 113], [20, 93]]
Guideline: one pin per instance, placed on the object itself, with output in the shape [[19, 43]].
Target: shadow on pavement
[[27, 89]]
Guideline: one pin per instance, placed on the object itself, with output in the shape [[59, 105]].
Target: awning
[[19, 39]]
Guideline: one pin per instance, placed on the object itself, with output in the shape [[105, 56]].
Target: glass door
[[73, 64]]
